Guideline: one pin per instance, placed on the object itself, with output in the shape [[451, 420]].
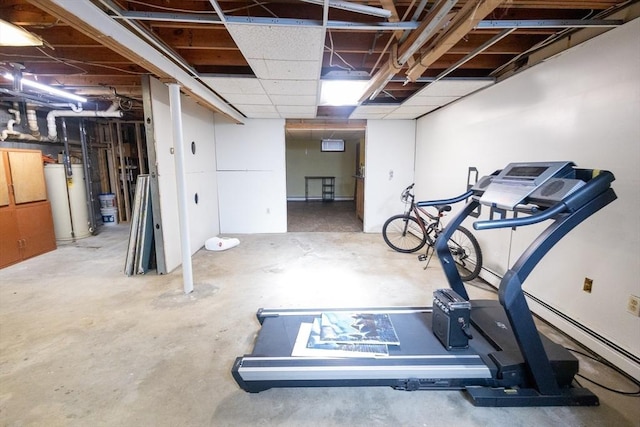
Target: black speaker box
[[450, 319]]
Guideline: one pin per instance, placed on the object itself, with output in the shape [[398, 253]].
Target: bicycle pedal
[[422, 257]]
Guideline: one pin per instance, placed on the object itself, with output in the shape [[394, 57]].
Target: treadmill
[[507, 362]]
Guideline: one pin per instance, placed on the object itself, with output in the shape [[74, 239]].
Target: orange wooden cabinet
[[26, 223]]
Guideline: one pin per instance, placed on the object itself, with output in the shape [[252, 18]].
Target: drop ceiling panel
[[285, 70], [411, 112], [291, 109], [290, 87], [259, 111], [278, 42], [309, 100], [372, 111], [420, 99], [264, 116], [256, 108], [239, 98], [226, 85], [454, 87]]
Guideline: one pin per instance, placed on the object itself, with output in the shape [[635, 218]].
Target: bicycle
[[416, 227]]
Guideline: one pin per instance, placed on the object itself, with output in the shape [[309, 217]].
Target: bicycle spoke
[[466, 253], [403, 234]]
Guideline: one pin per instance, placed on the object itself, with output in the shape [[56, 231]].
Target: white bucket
[[107, 200], [109, 216]]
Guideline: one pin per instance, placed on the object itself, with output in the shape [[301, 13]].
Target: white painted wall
[[251, 176], [582, 105], [389, 160], [198, 126]]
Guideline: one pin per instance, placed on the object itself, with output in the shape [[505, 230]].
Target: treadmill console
[[518, 181]]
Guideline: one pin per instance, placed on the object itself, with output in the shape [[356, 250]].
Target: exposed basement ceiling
[[251, 59]]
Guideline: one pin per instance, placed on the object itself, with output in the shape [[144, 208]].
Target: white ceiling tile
[[263, 115], [290, 87], [454, 87], [256, 108], [278, 42], [239, 98], [411, 112], [360, 113], [226, 85], [296, 109], [309, 100], [377, 108], [285, 70], [429, 100], [298, 115]]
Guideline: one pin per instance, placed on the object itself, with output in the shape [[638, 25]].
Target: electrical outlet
[[588, 284], [633, 305]]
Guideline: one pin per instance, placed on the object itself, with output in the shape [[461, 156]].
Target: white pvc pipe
[[181, 183], [51, 118], [9, 132], [32, 121]]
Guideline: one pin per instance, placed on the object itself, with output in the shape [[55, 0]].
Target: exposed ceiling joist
[[465, 20], [190, 41], [94, 23]]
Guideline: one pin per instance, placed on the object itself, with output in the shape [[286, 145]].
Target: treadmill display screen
[[525, 172]]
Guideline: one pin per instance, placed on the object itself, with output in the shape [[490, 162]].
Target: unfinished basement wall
[[251, 175], [583, 106], [200, 171]]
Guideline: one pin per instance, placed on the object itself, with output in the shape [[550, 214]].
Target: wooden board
[[27, 176], [4, 182]]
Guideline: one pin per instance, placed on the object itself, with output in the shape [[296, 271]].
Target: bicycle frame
[[426, 220]]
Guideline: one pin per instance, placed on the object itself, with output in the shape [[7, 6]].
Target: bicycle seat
[[443, 208]]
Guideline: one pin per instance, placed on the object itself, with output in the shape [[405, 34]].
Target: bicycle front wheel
[[403, 233], [466, 253]]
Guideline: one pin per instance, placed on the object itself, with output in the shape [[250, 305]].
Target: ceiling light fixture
[[48, 89], [12, 35], [341, 92]]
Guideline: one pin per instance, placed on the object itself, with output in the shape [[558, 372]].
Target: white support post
[[181, 183]]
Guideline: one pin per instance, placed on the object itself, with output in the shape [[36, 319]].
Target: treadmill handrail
[[572, 202], [517, 222], [460, 198]]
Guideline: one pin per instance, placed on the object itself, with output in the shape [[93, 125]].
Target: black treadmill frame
[[539, 387]]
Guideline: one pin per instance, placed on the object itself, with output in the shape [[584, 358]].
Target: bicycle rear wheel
[[403, 233], [466, 253]]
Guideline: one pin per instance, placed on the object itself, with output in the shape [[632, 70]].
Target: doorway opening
[[325, 175]]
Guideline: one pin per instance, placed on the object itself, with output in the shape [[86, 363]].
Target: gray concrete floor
[[83, 345]]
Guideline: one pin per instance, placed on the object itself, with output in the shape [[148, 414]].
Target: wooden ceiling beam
[[198, 57], [293, 125], [465, 20], [200, 38], [130, 46]]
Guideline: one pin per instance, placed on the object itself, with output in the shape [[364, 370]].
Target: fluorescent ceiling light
[[48, 89], [12, 35], [341, 92]]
